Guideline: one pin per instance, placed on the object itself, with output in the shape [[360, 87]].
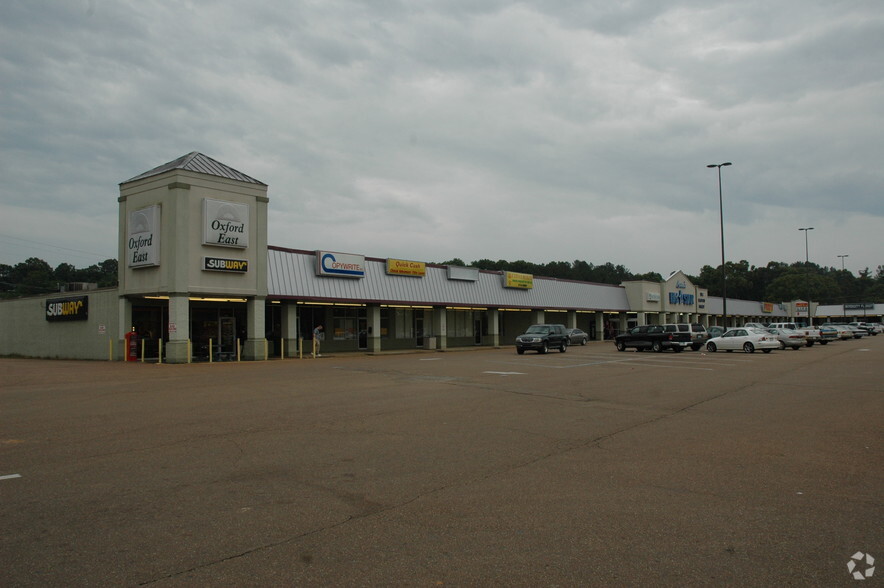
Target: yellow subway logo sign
[[219, 264], [74, 308]]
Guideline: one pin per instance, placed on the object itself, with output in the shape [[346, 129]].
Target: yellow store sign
[[517, 280], [403, 267]]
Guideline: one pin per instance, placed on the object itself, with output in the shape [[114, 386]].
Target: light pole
[[806, 266], [842, 261], [721, 217]]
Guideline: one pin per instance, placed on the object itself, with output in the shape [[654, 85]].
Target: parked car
[[867, 327], [715, 331], [542, 338], [651, 337], [577, 336], [844, 333], [746, 339], [857, 332], [828, 334], [755, 326], [789, 338], [811, 334]]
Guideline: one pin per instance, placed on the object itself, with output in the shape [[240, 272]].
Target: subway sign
[[219, 264], [74, 308]]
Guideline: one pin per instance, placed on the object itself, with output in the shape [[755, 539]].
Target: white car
[[789, 337], [867, 327], [746, 339]]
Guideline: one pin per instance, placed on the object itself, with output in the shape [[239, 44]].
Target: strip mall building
[[197, 280]]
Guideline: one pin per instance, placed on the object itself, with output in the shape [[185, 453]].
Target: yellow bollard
[[160, 350], [210, 350], [266, 350], [282, 348], [189, 351], [142, 350], [300, 348], [238, 350], [110, 349]]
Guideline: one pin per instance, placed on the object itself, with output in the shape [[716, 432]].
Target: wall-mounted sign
[[74, 308], [226, 224], [681, 298], [219, 264], [143, 237], [653, 297], [767, 307], [403, 267], [517, 280], [860, 306], [800, 309], [340, 265], [459, 272]]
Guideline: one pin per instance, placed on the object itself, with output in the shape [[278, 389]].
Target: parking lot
[[463, 468]]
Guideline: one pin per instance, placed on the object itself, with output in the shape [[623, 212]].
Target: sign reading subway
[[226, 224], [74, 308], [220, 264]]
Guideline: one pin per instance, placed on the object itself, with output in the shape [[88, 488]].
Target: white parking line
[[10, 476], [506, 373]]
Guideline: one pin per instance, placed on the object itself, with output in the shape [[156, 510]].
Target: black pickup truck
[[652, 337]]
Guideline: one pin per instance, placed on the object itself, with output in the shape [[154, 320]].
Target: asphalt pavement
[[456, 468]]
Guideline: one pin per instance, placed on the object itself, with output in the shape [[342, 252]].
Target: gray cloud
[[544, 131]]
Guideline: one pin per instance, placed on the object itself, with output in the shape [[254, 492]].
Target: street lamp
[[721, 216], [842, 261], [806, 264]]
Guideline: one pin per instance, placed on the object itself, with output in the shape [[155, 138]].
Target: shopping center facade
[[198, 281]]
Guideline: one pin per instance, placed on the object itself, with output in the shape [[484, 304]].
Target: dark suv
[[542, 338]]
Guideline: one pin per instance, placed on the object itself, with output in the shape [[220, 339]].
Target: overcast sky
[[434, 129]]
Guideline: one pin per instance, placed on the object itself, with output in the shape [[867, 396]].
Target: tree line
[[34, 276], [774, 282]]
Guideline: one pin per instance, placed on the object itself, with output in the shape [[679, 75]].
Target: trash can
[[431, 343]]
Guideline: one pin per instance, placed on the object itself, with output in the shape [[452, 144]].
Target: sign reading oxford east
[[143, 237], [219, 264], [403, 267], [74, 308], [226, 224], [340, 265]]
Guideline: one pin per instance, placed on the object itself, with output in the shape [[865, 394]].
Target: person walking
[[317, 336]]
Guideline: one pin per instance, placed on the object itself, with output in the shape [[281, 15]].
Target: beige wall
[[26, 332]]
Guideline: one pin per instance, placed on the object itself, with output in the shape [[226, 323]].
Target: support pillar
[[373, 318], [599, 320], [179, 329], [494, 326], [440, 327], [256, 344], [290, 330]]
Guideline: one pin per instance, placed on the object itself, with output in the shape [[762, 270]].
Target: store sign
[[75, 308], [681, 297], [143, 237], [767, 307], [800, 309], [653, 297], [219, 264], [860, 306], [517, 280], [466, 274], [226, 224], [402, 267], [340, 265]]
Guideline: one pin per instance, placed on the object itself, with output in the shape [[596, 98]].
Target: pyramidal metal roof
[[199, 163]]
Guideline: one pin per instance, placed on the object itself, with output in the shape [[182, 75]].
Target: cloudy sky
[[434, 129]]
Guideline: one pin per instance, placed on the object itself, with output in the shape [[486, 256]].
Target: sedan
[[577, 336], [843, 332], [746, 339], [789, 338], [715, 331]]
